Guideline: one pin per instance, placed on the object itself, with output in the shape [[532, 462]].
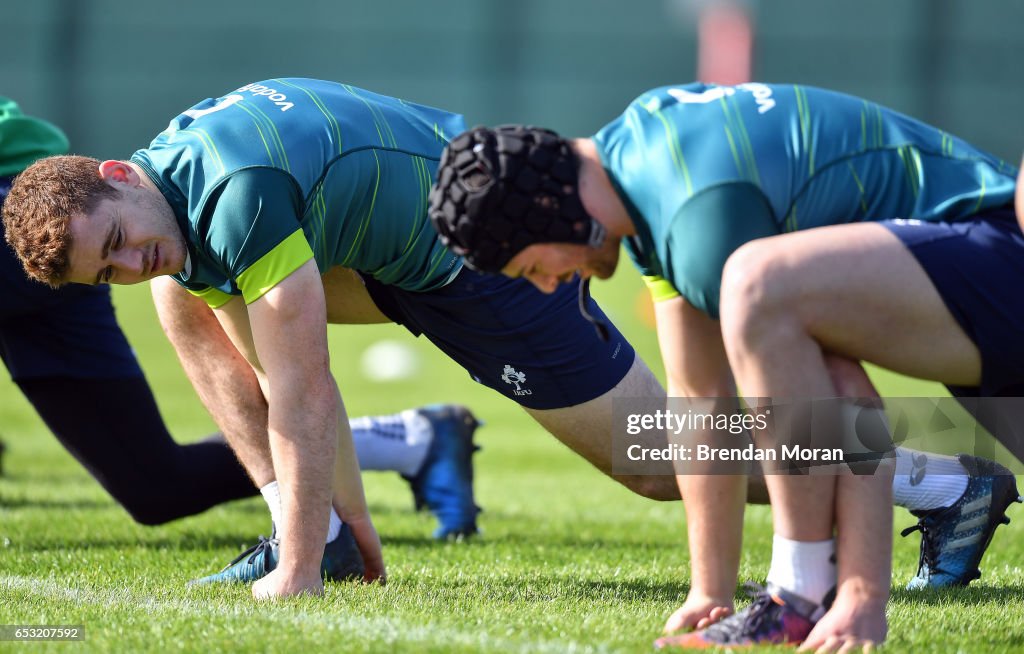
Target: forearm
[[223, 379], [714, 496], [697, 368], [714, 525], [349, 499], [303, 442]]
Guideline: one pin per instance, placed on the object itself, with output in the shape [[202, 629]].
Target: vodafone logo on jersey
[[761, 92], [278, 98]]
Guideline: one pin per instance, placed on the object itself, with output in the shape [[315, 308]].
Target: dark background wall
[[114, 73]]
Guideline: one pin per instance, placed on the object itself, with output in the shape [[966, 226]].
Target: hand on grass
[[368, 541], [282, 584], [699, 611], [851, 625]]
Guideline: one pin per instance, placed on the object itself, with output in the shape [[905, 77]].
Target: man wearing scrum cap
[[852, 233]]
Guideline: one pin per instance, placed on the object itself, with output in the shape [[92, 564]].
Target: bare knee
[[757, 300]]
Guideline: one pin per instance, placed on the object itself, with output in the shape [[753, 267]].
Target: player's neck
[[598, 195], [144, 179]]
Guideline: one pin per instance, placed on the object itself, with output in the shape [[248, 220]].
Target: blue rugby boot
[[252, 564], [341, 561], [444, 483], [954, 538]]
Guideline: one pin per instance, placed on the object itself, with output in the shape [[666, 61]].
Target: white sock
[[923, 480], [804, 568], [272, 496], [398, 442], [926, 481], [334, 526]]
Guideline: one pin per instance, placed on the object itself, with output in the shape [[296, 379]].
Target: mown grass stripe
[[202, 608]]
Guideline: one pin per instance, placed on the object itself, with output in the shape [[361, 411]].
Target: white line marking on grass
[[386, 630]]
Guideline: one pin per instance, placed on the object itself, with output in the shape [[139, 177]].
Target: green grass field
[[568, 562]]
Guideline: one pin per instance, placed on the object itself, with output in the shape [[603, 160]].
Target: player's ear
[[120, 172]]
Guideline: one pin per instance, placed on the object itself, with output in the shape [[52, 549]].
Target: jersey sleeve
[[708, 228], [214, 297], [254, 230]]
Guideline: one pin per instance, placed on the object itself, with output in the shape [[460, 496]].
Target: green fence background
[[114, 73]]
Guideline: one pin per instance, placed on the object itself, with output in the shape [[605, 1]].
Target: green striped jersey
[[275, 173], [703, 169]]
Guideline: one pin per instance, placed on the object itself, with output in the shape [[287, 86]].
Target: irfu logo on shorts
[[513, 376]]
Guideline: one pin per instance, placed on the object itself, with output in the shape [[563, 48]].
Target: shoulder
[[247, 214], [706, 230]]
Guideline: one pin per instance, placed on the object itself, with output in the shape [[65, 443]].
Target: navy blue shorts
[[977, 266], [533, 348], [70, 332]]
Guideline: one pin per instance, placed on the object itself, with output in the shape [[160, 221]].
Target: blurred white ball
[[387, 361]]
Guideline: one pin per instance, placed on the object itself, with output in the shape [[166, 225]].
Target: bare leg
[[854, 491], [586, 429], [859, 294], [855, 291]]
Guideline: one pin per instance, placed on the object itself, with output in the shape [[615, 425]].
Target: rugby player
[[262, 202], [808, 180], [67, 354]]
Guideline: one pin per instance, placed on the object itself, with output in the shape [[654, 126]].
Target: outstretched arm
[[222, 377], [288, 350], [697, 367]]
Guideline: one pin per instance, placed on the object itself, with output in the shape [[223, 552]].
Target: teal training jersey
[[703, 169], [278, 172]]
